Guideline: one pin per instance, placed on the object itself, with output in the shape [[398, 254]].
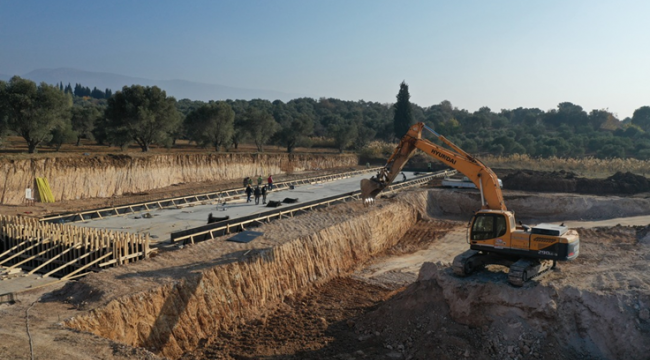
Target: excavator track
[[463, 264], [526, 269]]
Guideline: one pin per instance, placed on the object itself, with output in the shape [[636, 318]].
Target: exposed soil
[[404, 304]]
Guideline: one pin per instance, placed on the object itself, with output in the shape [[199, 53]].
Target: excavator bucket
[[370, 189]]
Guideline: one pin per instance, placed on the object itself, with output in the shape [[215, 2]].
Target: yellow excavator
[[494, 236]]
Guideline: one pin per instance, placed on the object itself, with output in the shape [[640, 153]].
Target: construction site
[[125, 263]]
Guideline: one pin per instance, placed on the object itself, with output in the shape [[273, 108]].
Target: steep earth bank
[[104, 176]]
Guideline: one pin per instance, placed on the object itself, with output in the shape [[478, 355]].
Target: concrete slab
[[165, 221]]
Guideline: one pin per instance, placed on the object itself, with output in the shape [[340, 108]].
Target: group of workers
[[259, 191]]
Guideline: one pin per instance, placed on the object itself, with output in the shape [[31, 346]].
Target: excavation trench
[[170, 304]]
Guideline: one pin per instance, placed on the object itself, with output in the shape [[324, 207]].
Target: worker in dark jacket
[[249, 191], [258, 193], [264, 194]]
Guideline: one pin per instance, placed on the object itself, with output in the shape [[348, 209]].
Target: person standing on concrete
[[249, 191], [403, 177], [250, 182], [264, 195], [270, 182], [258, 193], [259, 180]]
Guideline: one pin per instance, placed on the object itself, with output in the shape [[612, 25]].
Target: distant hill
[[180, 89]]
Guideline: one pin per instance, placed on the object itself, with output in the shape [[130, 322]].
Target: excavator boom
[[482, 176]]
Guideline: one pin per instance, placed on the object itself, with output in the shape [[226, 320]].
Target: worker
[[403, 177], [259, 180], [264, 194], [249, 191], [257, 193], [270, 182]]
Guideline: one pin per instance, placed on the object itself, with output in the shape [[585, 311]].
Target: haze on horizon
[[501, 54]]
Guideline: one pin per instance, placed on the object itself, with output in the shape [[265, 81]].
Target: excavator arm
[[482, 176]]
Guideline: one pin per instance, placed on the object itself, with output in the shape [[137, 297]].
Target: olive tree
[[83, 121], [260, 126], [211, 124], [34, 111], [144, 114]]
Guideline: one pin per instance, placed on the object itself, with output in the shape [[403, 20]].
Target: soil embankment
[[104, 176]]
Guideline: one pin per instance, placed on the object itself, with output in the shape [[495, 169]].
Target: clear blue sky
[[500, 54]]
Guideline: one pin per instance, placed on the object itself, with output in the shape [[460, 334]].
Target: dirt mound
[[563, 181], [538, 207], [529, 180], [619, 183]]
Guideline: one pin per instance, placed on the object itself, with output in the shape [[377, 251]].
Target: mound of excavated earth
[[563, 181]]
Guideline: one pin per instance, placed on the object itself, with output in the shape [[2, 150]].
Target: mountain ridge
[[178, 88]]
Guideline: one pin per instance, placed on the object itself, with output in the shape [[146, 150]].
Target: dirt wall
[[111, 175], [171, 315]]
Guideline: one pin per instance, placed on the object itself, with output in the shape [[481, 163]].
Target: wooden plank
[[109, 262]]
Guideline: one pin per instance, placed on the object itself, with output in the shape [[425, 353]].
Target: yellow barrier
[[44, 190]]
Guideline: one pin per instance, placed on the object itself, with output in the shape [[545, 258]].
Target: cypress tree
[[403, 115]]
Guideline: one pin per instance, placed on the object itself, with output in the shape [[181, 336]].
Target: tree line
[[84, 91], [145, 116]]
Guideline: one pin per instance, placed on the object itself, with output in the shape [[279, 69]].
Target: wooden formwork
[[65, 251]]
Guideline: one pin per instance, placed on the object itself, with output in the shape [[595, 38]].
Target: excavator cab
[[488, 226], [492, 228]]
